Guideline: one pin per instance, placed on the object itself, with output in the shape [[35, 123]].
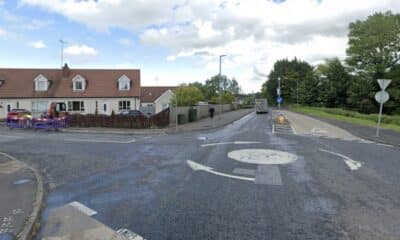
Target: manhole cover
[[262, 156]]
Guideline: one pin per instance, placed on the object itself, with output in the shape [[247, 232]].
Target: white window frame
[[122, 82], [40, 106], [124, 105], [40, 79], [79, 79]]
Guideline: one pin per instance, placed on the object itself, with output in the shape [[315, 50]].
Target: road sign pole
[[279, 82], [379, 120]]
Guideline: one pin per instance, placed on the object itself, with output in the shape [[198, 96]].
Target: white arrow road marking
[[97, 140], [199, 167], [353, 165], [89, 212], [228, 143]]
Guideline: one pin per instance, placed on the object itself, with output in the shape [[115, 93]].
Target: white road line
[[273, 128], [89, 212], [199, 167], [353, 165], [97, 140], [228, 143]]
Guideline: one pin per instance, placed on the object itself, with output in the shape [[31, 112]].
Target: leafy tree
[[187, 96], [212, 89], [292, 74], [227, 98], [334, 82], [374, 44]]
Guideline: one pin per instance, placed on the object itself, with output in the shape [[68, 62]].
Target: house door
[[6, 109], [104, 108]]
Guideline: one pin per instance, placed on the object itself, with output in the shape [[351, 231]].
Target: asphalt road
[[144, 183]]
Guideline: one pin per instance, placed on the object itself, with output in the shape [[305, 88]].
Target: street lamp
[[220, 87]]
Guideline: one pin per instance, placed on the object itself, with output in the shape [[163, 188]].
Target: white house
[[83, 90], [155, 99]]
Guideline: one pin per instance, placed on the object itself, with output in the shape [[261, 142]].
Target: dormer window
[[78, 83], [41, 83], [124, 83]]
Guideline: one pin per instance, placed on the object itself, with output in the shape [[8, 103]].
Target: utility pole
[[279, 92], [176, 112], [220, 87], [62, 42]]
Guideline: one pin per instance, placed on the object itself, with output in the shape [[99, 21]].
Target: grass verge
[[388, 122]]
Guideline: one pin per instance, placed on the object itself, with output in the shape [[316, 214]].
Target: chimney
[[65, 71]]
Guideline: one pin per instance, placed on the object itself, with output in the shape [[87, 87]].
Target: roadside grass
[[388, 122]]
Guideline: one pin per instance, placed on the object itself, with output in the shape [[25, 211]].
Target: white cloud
[[38, 44], [2, 32], [125, 42], [80, 50], [253, 33]]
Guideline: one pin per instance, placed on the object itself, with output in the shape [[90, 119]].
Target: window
[[41, 83], [39, 106], [79, 83], [165, 106], [124, 105], [105, 107], [124, 83], [76, 106]]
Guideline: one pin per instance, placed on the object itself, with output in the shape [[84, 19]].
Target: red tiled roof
[[19, 83], [150, 94]]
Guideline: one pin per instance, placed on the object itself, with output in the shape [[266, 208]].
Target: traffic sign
[[278, 91], [382, 96], [384, 83], [279, 100]]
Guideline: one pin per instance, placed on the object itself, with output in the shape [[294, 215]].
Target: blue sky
[[178, 41]]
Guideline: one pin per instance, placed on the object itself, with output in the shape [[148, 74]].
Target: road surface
[[248, 180]]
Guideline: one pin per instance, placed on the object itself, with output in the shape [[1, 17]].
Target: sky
[[179, 41]]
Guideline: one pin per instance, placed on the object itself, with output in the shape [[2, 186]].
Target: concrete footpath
[[208, 123], [21, 196]]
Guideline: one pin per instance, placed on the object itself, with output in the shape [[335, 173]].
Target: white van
[[261, 105]]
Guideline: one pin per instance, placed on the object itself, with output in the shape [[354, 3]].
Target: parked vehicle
[[19, 118], [55, 118], [261, 105]]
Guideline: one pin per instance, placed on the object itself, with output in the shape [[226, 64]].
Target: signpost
[[278, 92], [279, 100], [381, 97]]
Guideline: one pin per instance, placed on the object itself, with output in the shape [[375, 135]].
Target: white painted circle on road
[[262, 156]]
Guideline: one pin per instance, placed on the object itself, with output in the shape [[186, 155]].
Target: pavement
[[208, 123], [21, 198], [245, 180]]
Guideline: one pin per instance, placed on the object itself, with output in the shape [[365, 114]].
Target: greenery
[[187, 96], [373, 53], [389, 122]]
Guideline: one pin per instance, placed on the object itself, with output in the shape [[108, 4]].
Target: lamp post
[[62, 42], [220, 87]]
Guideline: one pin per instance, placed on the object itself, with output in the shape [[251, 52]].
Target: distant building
[[155, 99], [83, 90]]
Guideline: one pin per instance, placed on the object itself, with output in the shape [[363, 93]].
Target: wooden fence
[[120, 121]]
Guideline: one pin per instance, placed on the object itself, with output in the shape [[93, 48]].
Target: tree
[[187, 96], [226, 98], [374, 44], [334, 82], [292, 74], [212, 89], [373, 53]]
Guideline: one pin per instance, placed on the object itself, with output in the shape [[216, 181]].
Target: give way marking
[[228, 143], [199, 167], [352, 164]]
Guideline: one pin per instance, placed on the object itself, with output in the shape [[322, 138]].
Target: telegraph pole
[[62, 42], [220, 87]]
